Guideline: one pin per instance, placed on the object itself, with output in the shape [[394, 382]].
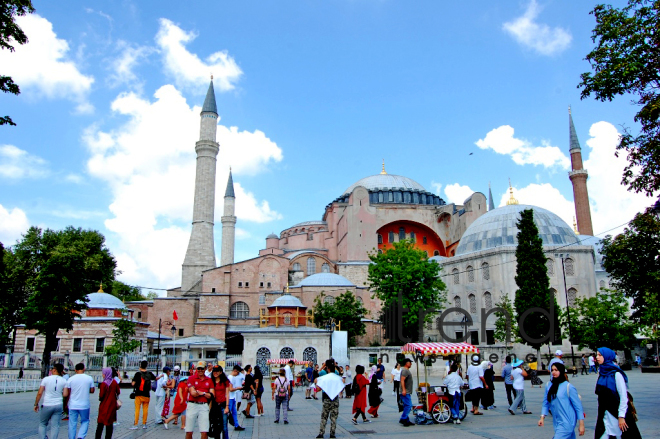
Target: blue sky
[[311, 96]]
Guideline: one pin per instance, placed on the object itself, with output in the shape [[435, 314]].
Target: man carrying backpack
[[141, 387]]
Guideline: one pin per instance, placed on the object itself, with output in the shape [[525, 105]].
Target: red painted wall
[[433, 241]]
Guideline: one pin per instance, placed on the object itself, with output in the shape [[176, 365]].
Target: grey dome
[[325, 280], [386, 181], [104, 301], [287, 300], [272, 235], [498, 228]]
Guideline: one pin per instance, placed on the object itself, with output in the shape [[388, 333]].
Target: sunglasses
[[200, 368]]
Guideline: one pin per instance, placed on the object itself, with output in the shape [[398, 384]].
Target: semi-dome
[[497, 228], [386, 181], [104, 301], [325, 280], [287, 301]]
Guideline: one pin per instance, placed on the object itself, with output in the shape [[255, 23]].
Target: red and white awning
[[285, 361], [439, 349]]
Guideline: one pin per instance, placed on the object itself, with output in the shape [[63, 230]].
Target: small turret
[[228, 224]]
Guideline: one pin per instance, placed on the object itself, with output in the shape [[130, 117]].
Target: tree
[[123, 339], [651, 316], [10, 33], [124, 292], [506, 326], [59, 269], [345, 309], [625, 61], [403, 278], [631, 259], [601, 321], [533, 302], [12, 297]]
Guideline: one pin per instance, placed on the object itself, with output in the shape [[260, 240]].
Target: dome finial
[[100, 288], [575, 229], [512, 200], [383, 171]]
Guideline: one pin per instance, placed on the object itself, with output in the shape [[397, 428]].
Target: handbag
[[118, 404], [132, 395], [468, 396], [246, 395]]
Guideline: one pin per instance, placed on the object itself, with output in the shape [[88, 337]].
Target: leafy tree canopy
[[506, 326], [633, 263], [10, 34], [625, 61], [405, 272], [601, 321], [123, 338], [127, 293], [345, 309], [12, 295]]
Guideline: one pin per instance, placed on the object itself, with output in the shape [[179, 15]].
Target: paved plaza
[[18, 421]]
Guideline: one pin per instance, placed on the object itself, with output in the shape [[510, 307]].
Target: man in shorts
[[200, 391]]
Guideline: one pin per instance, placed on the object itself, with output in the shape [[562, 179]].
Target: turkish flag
[[174, 316]]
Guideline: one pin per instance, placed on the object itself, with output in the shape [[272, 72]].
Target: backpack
[[355, 387], [145, 384], [281, 390]]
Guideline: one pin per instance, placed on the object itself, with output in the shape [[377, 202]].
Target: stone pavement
[[18, 421]]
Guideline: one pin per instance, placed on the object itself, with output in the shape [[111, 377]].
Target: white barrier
[[15, 386]]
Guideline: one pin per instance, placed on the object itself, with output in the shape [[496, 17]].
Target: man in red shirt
[[200, 391]]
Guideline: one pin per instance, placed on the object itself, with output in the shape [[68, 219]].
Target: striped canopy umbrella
[[439, 349], [286, 360]]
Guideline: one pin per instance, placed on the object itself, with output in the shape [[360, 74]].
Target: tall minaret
[[578, 177], [491, 204], [201, 253], [228, 224]]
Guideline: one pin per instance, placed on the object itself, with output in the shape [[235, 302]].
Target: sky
[[312, 96]]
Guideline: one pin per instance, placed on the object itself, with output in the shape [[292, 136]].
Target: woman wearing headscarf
[[108, 394], [563, 401], [360, 391], [615, 417], [374, 396], [488, 394]]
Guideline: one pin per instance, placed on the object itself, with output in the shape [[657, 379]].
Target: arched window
[[296, 267], [239, 310], [287, 318], [551, 266], [457, 304], [602, 284], [569, 267], [454, 273], [436, 253], [572, 295], [485, 271], [402, 233], [286, 353], [473, 303], [263, 355], [488, 300], [325, 268], [359, 299], [391, 237], [329, 300], [311, 266], [380, 252], [412, 236], [309, 354], [380, 238], [470, 272]]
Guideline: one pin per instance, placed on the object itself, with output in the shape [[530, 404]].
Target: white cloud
[[186, 68], [149, 164], [13, 223], [123, 66], [242, 233], [73, 178], [546, 196], [522, 152], [42, 65], [16, 163], [539, 37], [436, 187], [456, 193]]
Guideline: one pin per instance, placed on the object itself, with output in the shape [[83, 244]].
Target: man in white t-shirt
[[396, 378], [289, 378], [477, 384], [78, 389], [52, 388], [161, 393], [592, 364], [235, 392], [518, 374]]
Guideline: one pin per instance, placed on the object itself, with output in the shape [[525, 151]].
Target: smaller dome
[[104, 301], [325, 280], [310, 223], [272, 235], [287, 300]]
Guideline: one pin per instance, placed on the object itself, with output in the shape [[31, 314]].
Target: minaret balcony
[[578, 172]]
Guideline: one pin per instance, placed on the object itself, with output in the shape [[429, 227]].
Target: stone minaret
[[578, 177], [201, 253], [228, 225]]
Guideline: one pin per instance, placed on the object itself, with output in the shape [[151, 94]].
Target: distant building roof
[[154, 335], [310, 223], [273, 329], [287, 300], [272, 235], [325, 280], [386, 181], [104, 301]]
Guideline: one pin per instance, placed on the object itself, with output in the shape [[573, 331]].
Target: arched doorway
[[263, 355]]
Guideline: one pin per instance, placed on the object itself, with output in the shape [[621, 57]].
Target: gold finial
[[575, 227], [287, 289], [512, 200], [383, 171], [100, 288]]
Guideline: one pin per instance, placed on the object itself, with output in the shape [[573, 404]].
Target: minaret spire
[[491, 204], [200, 255], [228, 224], [578, 176]]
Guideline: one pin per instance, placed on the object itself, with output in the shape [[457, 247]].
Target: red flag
[[174, 316]]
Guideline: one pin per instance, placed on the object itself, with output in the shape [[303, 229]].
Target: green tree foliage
[[59, 269], [124, 292], [601, 321], [406, 272], [11, 34], [625, 62], [631, 259], [123, 338], [506, 326], [533, 287], [345, 309], [651, 316], [12, 296]]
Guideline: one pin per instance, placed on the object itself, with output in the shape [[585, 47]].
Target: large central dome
[[386, 181]]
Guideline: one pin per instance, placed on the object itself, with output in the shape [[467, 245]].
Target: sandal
[[477, 413]]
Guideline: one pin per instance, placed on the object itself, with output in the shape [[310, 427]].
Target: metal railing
[[15, 386]]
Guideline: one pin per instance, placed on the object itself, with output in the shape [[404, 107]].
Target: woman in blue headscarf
[[614, 415], [563, 400]]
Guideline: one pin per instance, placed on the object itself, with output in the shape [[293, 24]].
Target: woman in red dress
[[180, 404], [360, 391], [108, 394]]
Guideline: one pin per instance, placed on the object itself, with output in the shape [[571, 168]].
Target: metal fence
[[15, 386], [233, 360]]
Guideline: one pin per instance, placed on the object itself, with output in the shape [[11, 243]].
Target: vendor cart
[[434, 399]]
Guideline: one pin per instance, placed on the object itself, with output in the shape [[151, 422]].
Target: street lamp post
[[568, 308], [174, 344]]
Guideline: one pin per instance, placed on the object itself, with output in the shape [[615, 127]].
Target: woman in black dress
[[488, 395], [374, 397]]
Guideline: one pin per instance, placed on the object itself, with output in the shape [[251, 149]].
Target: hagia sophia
[[258, 308]]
